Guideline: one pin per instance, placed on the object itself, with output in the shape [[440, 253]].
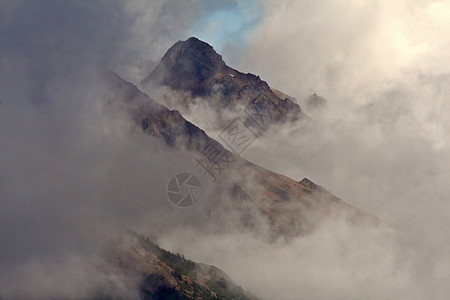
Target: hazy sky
[[382, 144]]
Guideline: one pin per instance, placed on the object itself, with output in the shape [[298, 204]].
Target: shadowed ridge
[[156, 119]]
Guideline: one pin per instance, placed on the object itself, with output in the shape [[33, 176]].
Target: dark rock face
[[193, 67], [187, 66]]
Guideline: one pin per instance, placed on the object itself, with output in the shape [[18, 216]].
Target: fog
[[75, 172], [381, 144]]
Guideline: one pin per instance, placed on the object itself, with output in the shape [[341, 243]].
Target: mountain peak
[[195, 41], [193, 68], [197, 48], [186, 65]]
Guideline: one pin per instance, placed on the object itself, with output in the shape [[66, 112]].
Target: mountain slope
[[288, 206], [164, 275]]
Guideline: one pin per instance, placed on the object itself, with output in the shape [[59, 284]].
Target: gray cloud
[[75, 172], [67, 162]]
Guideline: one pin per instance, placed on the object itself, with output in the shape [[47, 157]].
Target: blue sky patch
[[228, 25]]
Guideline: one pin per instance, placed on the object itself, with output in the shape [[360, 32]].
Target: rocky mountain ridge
[[290, 207]]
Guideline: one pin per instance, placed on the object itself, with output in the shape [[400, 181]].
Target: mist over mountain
[[240, 188], [194, 73]]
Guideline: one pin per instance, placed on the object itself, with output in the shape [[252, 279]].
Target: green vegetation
[[178, 262], [181, 266]]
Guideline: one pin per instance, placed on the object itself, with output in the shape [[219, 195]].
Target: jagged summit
[[186, 65], [201, 52], [194, 67]]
